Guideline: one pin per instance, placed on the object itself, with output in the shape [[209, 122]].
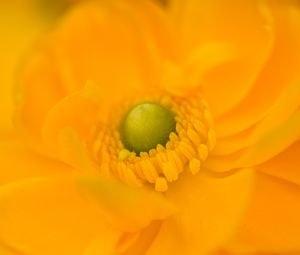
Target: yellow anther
[[186, 149], [121, 170], [173, 156], [211, 139], [173, 137], [160, 148], [208, 117], [152, 152], [139, 171], [124, 154], [161, 184], [169, 145], [203, 152], [195, 166], [169, 172], [149, 171], [193, 136], [131, 177], [178, 127]]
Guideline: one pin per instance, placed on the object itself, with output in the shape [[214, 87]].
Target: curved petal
[[79, 110], [268, 146], [280, 112], [275, 79], [210, 211], [70, 122], [19, 26], [65, 215], [118, 44], [18, 162], [285, 165], [244, 25], [272, 221]]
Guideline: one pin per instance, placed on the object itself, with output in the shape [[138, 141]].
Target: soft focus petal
[[19, 162], [245, 25], [63, 216], [275, 79], [19, 27], [210, 211], [79, 110], [120, 45], [127, 208], [274, 142], [285, 107], [285, 165], [272, 222], [70, 123]]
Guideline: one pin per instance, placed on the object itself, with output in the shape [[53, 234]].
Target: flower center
[[145, 126], [155, 142]]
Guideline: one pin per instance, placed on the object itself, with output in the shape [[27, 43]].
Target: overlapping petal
[[19, 27], [210, 211], [65, 215], [245, 25], [285, 165], [115, 42], [18, 162], [275, 80], [271, 224], [70, 123], [272, 143]]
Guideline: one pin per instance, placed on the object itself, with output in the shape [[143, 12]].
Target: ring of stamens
[[187, 148]]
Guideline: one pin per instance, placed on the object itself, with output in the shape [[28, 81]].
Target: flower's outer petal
[[19, 26], [144, 240], [285, 165], [19, 162], [65, 215], [275, 79], [127, 208], [274, 142], [211, 209], [79, 110], [281, 111], [104, 243], [70, 123], [120, 45], [272, 221], [245, 25]]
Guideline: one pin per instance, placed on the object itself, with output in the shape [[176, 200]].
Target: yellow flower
[[157, 131]]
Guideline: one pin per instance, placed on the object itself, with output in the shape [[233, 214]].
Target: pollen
[[155, 142]]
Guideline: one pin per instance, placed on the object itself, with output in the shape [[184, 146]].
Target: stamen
[[185, 144]]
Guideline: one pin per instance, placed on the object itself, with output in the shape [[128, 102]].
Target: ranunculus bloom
[[226, 179]]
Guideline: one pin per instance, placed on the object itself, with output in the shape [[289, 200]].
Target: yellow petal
[[19, 162], [275, 80], [65, 216], [120, 45], [283, 109], [19, 27], [127, 208], [272, 221], [244, 25], [210, 211], [272, 143], [79, 111], [285, 165]]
